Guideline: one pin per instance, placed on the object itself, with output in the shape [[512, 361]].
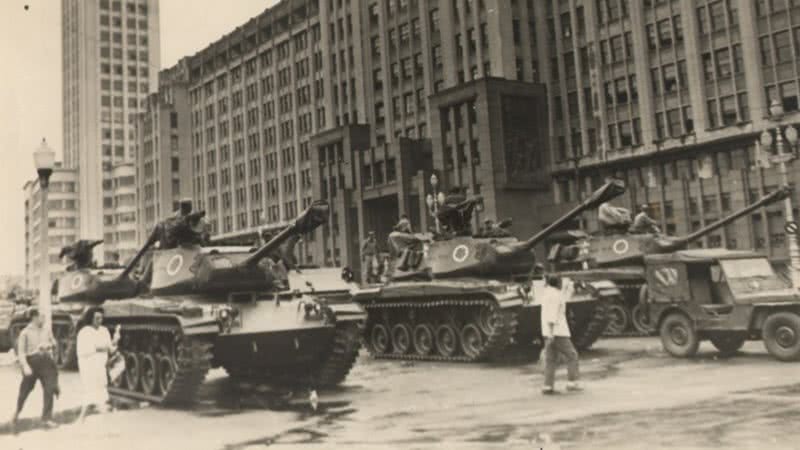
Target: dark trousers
[[43, 369], [559, 345]]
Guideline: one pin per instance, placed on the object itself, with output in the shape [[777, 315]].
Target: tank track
[[630, 290], [499, 337], [589, 332], [190, 357], [342, 356]]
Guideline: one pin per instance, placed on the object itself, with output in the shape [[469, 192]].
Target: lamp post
[[781, 157], [44, 160]]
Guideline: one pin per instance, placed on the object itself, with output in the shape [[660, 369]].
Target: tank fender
[[508, 299], [190, 326], [347, 310]]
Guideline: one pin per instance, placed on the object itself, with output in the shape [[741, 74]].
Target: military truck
[[619, 257], [459, 296], [725, 296]]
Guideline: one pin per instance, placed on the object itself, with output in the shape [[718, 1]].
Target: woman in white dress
[[93, 347]]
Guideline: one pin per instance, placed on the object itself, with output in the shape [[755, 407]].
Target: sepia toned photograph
[[403, 224]]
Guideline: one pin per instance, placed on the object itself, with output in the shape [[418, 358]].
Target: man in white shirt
[[555, 331]]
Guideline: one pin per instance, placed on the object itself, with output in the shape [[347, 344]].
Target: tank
[[462, 297], [82, 285], [619, 257], [295, 334], [202, 306]]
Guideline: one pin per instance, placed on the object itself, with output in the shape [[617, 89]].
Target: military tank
[[203, 306], [82, 286], [461, 297], [619, 257], [297, 333]]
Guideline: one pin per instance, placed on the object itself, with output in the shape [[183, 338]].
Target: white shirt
[[89, 338], [554, 310]]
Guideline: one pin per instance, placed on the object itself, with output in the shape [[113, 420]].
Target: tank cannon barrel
[[612, 189], [780, 194], [152, 239], [314, 216]]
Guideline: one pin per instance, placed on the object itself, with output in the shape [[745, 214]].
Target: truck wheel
[[728, 344], [678, 336], [781, 334]]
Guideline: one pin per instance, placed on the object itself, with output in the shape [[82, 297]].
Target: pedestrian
[[35, 347], [555, 331], [369, 257], [93, 347]]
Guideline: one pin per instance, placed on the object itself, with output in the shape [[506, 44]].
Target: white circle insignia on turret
[[174, 265], [460, 253], [620, 246], [77, 282]]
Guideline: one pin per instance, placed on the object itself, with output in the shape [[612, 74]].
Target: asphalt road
[[635, 397]]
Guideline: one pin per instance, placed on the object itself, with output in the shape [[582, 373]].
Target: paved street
[[636, 396]]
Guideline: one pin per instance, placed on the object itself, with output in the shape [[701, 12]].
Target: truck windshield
[[747, 268]]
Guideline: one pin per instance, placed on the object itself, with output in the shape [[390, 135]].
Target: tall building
[[111, 59], [284, 110], [164, 154], [63, 224], [527, 103]]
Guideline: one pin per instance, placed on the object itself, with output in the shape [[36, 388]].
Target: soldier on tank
[[79, 253], [643, 223]]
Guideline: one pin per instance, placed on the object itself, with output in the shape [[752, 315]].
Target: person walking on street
[[369, 257], [93, 347], [555, 331], [35, 347]]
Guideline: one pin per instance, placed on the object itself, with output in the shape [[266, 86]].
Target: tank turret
[[191, 268], [461, 254], [83, 282], [625, 249]]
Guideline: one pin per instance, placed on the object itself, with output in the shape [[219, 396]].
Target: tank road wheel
[[678, 336], [781, 334], [379, 338], [728, 344], [166, 373], [401, 339], [446, 340], [149, 373], [423, 339], [132, 370], [618, 319], [471, 341], [488, 319]]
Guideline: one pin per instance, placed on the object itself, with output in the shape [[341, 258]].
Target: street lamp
[[781, 157], [44, 160]]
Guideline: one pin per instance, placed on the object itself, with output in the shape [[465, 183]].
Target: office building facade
[[111, 58], [530, 104], [163, 156]]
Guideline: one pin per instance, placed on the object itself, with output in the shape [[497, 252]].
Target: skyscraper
[[110, 63]]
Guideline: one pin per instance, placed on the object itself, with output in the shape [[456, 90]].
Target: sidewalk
[[66, 406]]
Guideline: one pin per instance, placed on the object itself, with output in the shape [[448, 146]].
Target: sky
[[30, 87]]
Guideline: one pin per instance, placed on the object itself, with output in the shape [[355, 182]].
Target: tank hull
[[290, 340], [167, 344]]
